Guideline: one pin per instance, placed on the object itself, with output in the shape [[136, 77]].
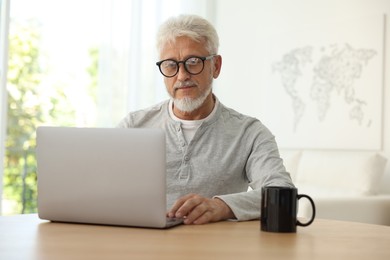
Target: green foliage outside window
[[30, 105]]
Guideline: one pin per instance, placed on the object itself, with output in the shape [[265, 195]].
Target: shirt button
[[186, 158], [183, 176]]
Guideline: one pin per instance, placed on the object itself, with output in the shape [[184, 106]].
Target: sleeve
[[125, 122], [264, 167]]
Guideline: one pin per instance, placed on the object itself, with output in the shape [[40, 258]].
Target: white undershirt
[[189, 127]]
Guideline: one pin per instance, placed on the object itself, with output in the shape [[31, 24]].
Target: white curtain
[[4, 22], [128, 77]]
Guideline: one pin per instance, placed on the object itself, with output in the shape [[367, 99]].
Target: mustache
[[183, 84]]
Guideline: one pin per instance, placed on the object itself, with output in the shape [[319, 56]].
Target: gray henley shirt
[[228, 153]]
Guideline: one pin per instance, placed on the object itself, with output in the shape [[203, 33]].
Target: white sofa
[[343, 184]]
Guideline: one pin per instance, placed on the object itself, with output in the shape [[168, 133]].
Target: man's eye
[[193, 61], [169, 64]]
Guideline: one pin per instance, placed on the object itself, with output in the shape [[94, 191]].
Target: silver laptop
[[109, 176]]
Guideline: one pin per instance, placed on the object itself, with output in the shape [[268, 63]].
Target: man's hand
[[196, 209]]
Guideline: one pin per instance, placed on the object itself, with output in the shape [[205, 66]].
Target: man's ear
[[217, 66]]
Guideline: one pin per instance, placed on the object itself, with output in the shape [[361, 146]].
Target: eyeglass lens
[[193, 65]]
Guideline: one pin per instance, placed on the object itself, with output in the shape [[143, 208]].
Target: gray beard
[[189, 105]]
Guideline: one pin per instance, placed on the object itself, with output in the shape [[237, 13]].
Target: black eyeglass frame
[[203, 59]]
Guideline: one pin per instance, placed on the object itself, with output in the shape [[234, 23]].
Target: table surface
[[28, 237]]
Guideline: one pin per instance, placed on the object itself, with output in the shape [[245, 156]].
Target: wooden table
[[27, 237]]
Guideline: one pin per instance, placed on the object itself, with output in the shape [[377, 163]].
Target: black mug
[[279, 209]]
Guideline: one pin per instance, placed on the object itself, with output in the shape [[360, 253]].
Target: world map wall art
[[324, 86]]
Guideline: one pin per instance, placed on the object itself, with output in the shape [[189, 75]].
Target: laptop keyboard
[[171, 222]]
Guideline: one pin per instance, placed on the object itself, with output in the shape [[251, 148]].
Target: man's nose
[[182, 74]]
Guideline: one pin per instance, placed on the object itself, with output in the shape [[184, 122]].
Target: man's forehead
[[184, 44]]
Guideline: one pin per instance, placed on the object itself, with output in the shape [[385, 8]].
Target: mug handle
[[313, 208]]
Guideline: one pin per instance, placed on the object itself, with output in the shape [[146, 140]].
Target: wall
[[246, 27]]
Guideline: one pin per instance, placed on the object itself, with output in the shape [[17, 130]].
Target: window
[[4, 15], [76, 63]]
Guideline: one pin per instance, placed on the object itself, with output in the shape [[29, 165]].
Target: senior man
[[213, 152]]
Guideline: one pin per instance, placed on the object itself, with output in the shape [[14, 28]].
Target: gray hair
[[191, 26]]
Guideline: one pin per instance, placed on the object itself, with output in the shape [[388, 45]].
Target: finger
[[203, 219], [196, 212], [189, 207], [211, 212], [173, 212]]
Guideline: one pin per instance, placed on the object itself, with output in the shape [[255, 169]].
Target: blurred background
[[88, 63]]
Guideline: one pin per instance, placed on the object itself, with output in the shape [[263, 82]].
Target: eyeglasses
[[193, 65]]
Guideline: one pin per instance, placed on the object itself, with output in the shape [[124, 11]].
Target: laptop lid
[[111, 176]]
